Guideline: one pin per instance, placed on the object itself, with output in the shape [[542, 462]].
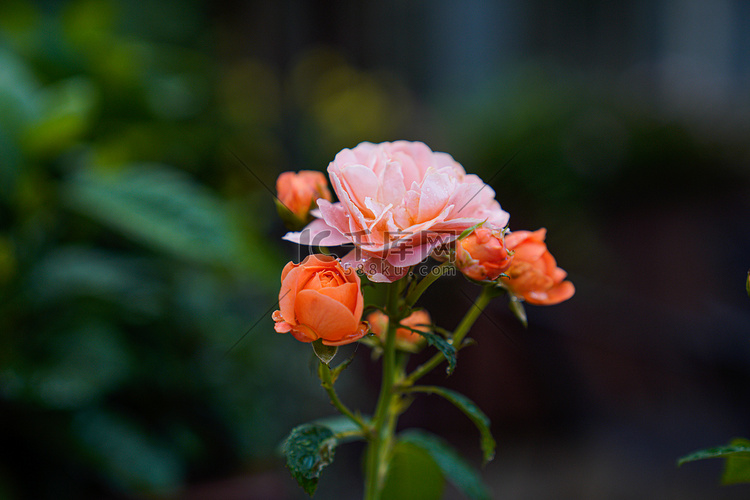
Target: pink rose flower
[[398, 201]]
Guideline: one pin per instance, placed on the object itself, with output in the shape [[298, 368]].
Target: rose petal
[[356, 217], [434, 195], [392, 186], [282, 327], [346, 294], [317, 233], [288, 267], [410, 255], [328, 318], [530, 251], [415, 153], [360, 332], [288, 294], [360, 183], [558, 293], [446, 160], [303, 334]]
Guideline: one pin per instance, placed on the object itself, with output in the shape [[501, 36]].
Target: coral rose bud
[[482, 255], [534, 275], [418, 320], [298, 193], [319, 299]]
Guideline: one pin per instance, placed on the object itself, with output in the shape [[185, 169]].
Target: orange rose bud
[[534, 274], [319, 299], [297, 194], [482, 255], [417, 320]]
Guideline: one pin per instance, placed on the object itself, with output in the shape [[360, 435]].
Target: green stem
[[384, 420], [458, 335], [346, 435], [324, 372], [428, 280]]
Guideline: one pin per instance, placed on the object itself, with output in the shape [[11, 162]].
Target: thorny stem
[[386, 411], [324, 372], [395, 383]]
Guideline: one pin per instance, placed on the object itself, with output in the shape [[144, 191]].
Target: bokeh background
[[140, 252]]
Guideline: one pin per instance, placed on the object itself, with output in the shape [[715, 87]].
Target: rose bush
[[397, 202], [533, 273], [319, 299]]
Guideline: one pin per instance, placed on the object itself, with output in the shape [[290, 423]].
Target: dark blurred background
[[140, 253]]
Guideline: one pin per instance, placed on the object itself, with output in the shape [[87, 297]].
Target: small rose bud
[[533, 274], [297, 194], [482, 255], [418, 320]]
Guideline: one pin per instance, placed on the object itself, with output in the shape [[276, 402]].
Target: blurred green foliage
[[134, 245], [134, 253], [413, 474], [136, 249]]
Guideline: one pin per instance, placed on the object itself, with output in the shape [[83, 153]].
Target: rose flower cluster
[[398, 203]]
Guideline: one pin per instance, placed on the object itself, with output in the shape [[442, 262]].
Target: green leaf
[[90, 347], [160, 207], [466, 232], [470, 410], [442, 345], [413, 474], [325, 353], [454, 467], [19, 97], [10, 167], [341, 424], [516, 307], [737, 464], [343, 366], [128, 454], [717, 452], [747, 284], [70, 271], [67, 114], [19, 22], [290, 220], [308, 450]]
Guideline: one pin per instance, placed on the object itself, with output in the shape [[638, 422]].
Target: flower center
[[327, 279]]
